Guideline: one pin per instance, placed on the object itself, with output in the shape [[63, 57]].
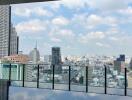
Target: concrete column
[[4, 89]]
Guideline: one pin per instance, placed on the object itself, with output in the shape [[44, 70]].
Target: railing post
[[105, 79], [86, 79], [10, 74], [8, 84], [125, 91], [53, 68], [38, 77], [69, 78], [23, 75]]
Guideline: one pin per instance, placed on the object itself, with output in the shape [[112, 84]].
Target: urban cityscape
[[96, 71]]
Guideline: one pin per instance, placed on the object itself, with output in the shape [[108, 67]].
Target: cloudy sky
[[79, 27]]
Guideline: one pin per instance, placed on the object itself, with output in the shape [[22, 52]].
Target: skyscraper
[[8, 35], [56, 56], [14, 41], [121, 58], [56, 59], [34, 55]]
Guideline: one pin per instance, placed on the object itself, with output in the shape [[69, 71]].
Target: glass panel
[[96, 78], [129, 82], [115, 80], [16, 74], [61, 77], [4, 71], [45, 76], [78, 77], [30, 76]]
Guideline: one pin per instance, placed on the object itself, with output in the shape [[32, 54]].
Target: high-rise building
[[56, 56], [14, 42], [121, 58], [34, 55], [56, 59], [8, 35], [119, 63], [119, 66]]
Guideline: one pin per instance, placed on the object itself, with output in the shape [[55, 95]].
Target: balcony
[[80, 78]]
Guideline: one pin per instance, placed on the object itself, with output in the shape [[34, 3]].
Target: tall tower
[[14, 42], [56, 59], [8, 35], [34, 55]]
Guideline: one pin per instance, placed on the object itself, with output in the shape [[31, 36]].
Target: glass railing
[[84, 78]]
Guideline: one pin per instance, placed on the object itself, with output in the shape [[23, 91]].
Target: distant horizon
[[87, 54]]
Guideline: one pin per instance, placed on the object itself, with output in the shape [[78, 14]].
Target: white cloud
[[105, 5], [108, 5], [127, 11], [60, 21], [79, 19], [65, 32], [57, 35], [94, 20], [124, 40], [99, 44], [102, 44], [74, 3], [55, 39], [29, 11], [31, 26], [112, 31], [41, 11], [61, 33], [71, 4], [85, 38], [25, 12], [112, 21], [96, 35], [113, 38]]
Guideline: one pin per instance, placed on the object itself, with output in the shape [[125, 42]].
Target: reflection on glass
[[45, 76], [116, 79], [30, 76], [4, 71], [78, 78], [96, 78]]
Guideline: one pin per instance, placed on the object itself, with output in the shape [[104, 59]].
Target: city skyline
[[72, 45], [92, 28]]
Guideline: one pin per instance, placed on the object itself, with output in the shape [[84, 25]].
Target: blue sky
[[79, 27]]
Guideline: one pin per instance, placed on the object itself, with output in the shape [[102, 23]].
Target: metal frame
[[7, 2]]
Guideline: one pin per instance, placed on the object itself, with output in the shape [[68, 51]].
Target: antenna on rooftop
[[36, 44]]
